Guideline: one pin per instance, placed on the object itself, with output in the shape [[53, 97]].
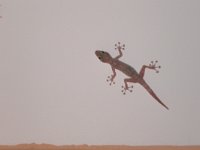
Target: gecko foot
[[119, 46], [110, 80], [153, 65], [124, 89]]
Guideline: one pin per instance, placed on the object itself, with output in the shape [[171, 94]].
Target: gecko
[[133, 75]]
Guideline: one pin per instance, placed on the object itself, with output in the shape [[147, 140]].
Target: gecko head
[[103, 56]]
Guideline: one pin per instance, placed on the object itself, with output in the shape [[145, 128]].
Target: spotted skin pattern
[[133, 75]]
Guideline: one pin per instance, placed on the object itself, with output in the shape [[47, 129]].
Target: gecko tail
[[151, 92]]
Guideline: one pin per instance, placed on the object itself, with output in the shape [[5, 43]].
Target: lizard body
[[133, 75]]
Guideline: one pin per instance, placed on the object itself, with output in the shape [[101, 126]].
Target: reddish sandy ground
[[86, 147]]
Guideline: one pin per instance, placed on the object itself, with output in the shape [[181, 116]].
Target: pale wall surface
[[53, 88]]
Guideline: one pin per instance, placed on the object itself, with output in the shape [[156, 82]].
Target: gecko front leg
[[111, 77], [119, 47]]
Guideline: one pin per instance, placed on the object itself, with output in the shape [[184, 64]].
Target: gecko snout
[[97, 52]]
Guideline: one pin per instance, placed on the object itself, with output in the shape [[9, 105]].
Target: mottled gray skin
[[115, 63], [133, 75], [123, 67]]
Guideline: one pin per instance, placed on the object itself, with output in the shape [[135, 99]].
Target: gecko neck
[[111, 61]]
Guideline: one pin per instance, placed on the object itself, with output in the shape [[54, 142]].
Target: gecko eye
[[103, 52], [99, 57]]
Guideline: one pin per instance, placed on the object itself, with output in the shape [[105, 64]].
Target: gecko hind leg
[[152, 65], [126, 87]]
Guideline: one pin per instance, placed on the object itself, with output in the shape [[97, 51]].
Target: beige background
[[53, 88]]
